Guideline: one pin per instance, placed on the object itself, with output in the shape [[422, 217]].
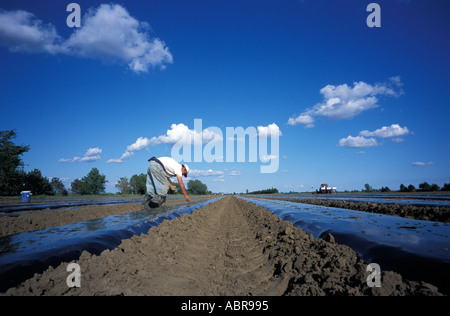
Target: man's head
[[184, 170]]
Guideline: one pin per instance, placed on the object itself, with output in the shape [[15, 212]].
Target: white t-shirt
[[172, 167]]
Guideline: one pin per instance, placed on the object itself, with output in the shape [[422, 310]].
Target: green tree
[[78, 187], [411, 188], [265, 191], [425, 187], [403, 188], [435, 187], [123, 186], [35, 182], [58, 187], [138, 184], [197, 187], [385, 189], [92, 183], [11, 165], [368, 188], [446, 187], [95, 181]]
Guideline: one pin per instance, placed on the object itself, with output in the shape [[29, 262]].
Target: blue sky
[[351, 104]]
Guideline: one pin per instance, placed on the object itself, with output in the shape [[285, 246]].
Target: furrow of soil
[[230, 247]]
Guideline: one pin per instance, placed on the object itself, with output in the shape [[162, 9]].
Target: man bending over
[[158, 184]]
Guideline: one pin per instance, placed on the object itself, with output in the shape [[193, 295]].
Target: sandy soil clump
[[230, 247]]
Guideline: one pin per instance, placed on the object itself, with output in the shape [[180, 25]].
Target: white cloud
[[92, 154], [345, 102], [111, 34], [178, 133], [140, 144], [235, 173], [357, 142], [269, 130], [107, 33], [395, 130], [205, 173], [21, 31], [396, 80], [422, 164], [305, 119], [267, 158]]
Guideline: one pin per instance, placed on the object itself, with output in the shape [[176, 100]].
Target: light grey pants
[[156, 180]]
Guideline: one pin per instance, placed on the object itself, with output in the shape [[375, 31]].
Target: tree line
[[137, 185], [13, 179], [265, 191], [423, 187]]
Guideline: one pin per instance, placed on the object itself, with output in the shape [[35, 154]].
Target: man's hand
[[171, 186], [183, 189]]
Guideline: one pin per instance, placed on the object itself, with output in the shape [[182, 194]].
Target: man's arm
[[171, 186], [183, 189]]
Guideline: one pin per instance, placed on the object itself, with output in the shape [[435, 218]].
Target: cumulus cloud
[[178, 133], [345, 102], [305, 119], [92, 154], [269, 130], [108, 33], [21, 31], [357, 142], [183, 135], [395, 131]]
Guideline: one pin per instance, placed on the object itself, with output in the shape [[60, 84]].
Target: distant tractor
[[325, 189]]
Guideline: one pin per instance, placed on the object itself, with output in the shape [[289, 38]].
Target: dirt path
[[230, 247]]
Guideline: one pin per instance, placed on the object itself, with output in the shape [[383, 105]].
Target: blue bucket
[[26, 196]]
